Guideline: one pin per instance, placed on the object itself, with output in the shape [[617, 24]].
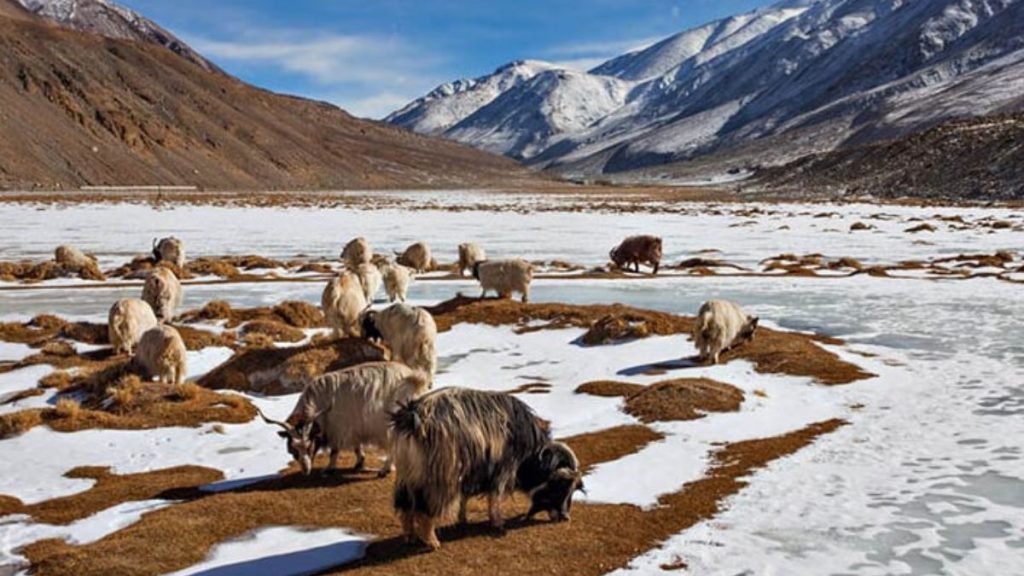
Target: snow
[[283, 551], [18, 530], [927, 478]]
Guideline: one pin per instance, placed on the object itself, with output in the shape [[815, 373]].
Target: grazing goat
[[161, 353], [347, 410], [417, 257], [455, 443], [469, 255], [636, 250], [396, 281], [356, 252], [721, 325], [408, 332], [504, 277], [128, 320], [73, 258], [370, 279], [162, 291], [170, 250], [342, 301]]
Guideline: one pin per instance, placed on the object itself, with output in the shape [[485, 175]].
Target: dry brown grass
[[670, 400], [609, 388], [32, 272], [771, 352], [293, 314], [45, 328], [196, 339], [276, 371], [610, 329], [110, 490], [683, 399], [276, 331], [67, 409], [600, 538], [187, 392]]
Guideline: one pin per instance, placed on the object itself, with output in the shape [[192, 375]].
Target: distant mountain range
[[763, 88], [92, 93]]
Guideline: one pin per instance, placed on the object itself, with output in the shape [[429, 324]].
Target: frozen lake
[[928, 479]]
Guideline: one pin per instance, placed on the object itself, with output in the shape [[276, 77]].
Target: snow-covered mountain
[[111, 20], [453, 102], [797, 77]]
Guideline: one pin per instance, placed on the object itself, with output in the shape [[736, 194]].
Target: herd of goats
[[445, 445]]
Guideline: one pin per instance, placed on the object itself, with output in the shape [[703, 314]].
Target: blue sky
[[372, 56]]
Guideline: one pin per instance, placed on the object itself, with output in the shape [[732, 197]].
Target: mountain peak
[[110, 20]]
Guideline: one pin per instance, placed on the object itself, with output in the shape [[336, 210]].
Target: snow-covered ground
[[927, 479]]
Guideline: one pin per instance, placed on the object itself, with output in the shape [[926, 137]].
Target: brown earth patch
[[532, 388], [614, 328], [110, 490], [45, 327], [277, 371], [925, 227], [196, 339], [277, 331], [32, 272], [294, 314], [683, 399], [772, 352], [600, 538], [609, 389], [669, 400], [131, 404]]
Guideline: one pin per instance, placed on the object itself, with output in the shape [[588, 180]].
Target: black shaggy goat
[[455, 443]]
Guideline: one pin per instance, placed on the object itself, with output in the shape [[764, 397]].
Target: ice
[[928, 477], [281, 550]]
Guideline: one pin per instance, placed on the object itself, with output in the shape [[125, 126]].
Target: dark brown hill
[[79, 109]]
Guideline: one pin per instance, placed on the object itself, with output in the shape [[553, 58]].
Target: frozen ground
[[927, 479]]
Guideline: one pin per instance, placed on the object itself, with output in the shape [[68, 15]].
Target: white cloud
[[364, 74]]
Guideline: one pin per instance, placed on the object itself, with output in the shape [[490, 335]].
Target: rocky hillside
[[85, 109], [980, 159]]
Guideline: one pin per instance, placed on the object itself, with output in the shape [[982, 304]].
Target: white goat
[[408, 332], [342, 302], [504, 277], [170, 250], [721, 325], [349, 409], [469, 255], [162, 291], [396, 281], [161, 353], [128, 320], [356, 252]]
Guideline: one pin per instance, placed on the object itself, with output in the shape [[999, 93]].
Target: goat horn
[[288, 427]]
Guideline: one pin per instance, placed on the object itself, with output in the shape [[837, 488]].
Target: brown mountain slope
[[980, 160], [78, 109]]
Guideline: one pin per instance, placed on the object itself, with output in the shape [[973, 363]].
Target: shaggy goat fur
[[350, 409], [636, 250], [469, 255], [396, 281], [720, 326], [73, 257], [356, 252], [162, 291], [408, 332], [161, 353], [342, 302], [170, 250], [455, 443], [128, 320], [504, 277], [417, 257], [370, 279]]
